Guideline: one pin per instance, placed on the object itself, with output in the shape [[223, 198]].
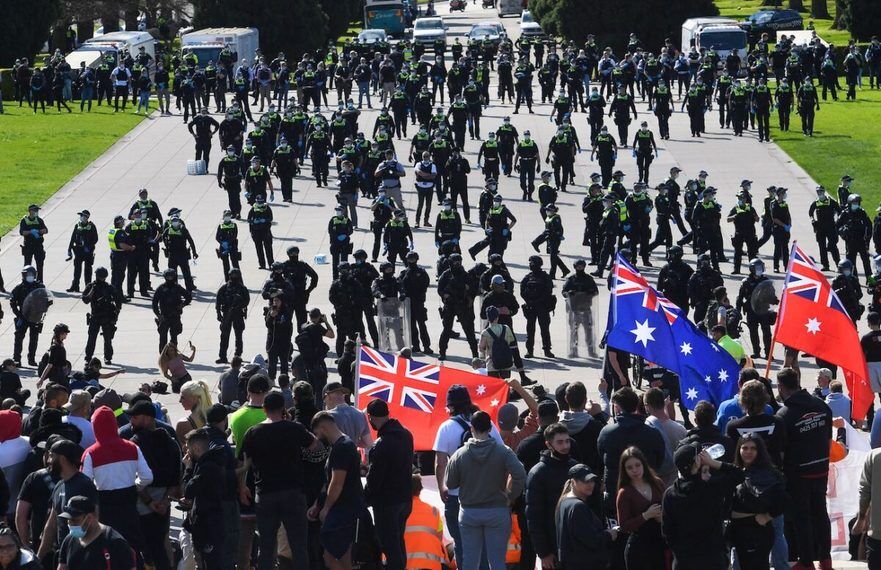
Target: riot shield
[[36, 304], [394, 324], [763, 297], [580, 311]]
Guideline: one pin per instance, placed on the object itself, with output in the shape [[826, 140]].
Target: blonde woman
[[195, 399], [172, 364]]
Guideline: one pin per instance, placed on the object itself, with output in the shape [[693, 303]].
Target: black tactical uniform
[[610, 229], [606, 150], [499, 221], [339, 231], [553, 236], [260, 226], [149, 209], [231, 305], [639, 209], [592, 207], [701, 285], [32, 229], [413, 282], [366, 274], [527, 164], [744, 218], [848, 289], [707, 219], [855, 229], [105, 302], [22, 325], [141, 232], [673, 279], [169, 300], [781, 217], [227, 237], [279, 330], [447, 229], [755, 321], [824, 213], [457, 298], [229, 177], [397, 238], [82, 248], [348, 297], [303, 279], [537, 292], [547, 194], [179, 247]]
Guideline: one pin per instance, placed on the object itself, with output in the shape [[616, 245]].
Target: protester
[[13, 555], [583, 540], [195, 399], [349, 419], [79, 410], [671, 431], [583, 427], [92, 544], [64, 462], [706, 434], [203, 498], [638, 504]]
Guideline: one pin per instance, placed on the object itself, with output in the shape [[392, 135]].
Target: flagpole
[[780, 312], [358, 367]]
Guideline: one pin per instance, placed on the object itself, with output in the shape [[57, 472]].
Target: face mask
[[740, 203], [84, 219], [447, 208], [782, 197], [227, 219], [854, 207], [821, 195], [759, 271], [527, 137], [846, 272], [76, 531], [175, 224], [30, 278]]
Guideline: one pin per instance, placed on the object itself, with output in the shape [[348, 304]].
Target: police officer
[[229, 177], [231, 305], [257, 180], [707, 221], [874, 287], [32, 229], [227, 238], [383, 209], [140, 232], [485, 200], [386, 286], [339, 231], [413, 282], [673, 278], [284, 165], [581, 282], [23, 326], [348, 298], [426, 180], [365, 274], [562, 149], [592, 208], [105, 302], [663, 213], [547, 194], [783, 95], [639, 209], [202, 127], [808, 104], [489, 152], [169, 299], [824, 213], [82, 249], [781, 217], [260, 226], [744, 218], [621, 107], [855, 228], [701, 285], [645, 150], [397, 237], [610, 230], [508, 139], [179, 247], [303, 279], [457, 171], [499, 223], [277, 283], [553, 236], [537, 292], [744, 304], [844, 191], [606, 151], [848, 289], [120, 249], [150, 210], [457, 296], [447, 229], [527, 164]]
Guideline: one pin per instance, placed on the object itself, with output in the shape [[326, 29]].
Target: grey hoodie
[[480, 470]]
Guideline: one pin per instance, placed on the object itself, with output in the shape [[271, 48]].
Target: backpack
[[44, 362], [162, 454], [466, 435], [501, 355]]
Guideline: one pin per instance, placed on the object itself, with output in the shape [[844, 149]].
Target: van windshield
[[720, 40]]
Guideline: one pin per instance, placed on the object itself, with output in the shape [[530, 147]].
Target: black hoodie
[[808, 422], [391, 466], [544, 484], [709, 436], [203, 485]]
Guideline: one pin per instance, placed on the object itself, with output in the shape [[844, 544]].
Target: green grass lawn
[[740, 9], [845, 141], [41, 153]]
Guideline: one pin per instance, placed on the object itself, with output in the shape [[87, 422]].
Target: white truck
[[208, 43], [723, 35], [93, 50]]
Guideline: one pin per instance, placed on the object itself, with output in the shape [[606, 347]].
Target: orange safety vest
[[512, 556], [423, 538]]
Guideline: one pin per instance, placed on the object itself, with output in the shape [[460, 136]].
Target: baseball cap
[[108, 397], [77, 506], [457, 395], [331, 387], [684, 457], [217, 413], [79, 399], [67, 449], [378, 408], [548, 409], [508, 416], [582, 472], [142, 408]]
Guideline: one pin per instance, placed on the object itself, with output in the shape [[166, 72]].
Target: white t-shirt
[[85, 427], [449, 439]]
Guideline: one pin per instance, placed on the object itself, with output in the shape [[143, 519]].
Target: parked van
[[510, 7]]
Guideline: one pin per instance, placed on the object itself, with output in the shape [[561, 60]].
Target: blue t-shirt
[[730, 409]]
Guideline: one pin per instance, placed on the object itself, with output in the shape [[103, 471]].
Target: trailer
[[207, 44]]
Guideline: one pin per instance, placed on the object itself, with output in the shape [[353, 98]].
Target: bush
[[339, 14], [862, 18], [24, 28], [613, 22]]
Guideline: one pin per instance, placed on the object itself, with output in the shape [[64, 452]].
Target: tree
[[24, 28], [797, 5], [861, 17], [339, 14], [819, 10], [611, 23], [291, 26]]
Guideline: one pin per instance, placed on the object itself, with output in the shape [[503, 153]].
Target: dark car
[[770, 22]]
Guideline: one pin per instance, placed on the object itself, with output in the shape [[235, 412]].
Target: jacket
[[423, 537], [585, 430], [480, 469], [614, 438], [808, 423], [391, 466], [582, 539], [543, 487], [204, 519]]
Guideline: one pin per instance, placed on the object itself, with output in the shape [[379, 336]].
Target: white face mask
[[227, 219], [447, 208], [740, 203], [759, 271], [846, 272], [83, 219], [30, 278], [230, 153]]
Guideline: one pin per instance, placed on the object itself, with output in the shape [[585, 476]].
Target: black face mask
[[534, 267], [171, 280]]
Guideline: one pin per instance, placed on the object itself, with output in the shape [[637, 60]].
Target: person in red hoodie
[[119, 471]]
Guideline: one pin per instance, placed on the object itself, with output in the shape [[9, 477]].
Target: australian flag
[[644, 323]]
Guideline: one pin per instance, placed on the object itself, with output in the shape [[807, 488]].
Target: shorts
[[338, 532]]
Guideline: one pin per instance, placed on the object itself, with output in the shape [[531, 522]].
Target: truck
[[389, 15], [723, 35], [207, 44], [94, 50]]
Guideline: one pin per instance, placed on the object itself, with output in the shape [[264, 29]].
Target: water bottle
[[716, 451]]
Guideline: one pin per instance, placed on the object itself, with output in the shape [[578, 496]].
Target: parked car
[[373, 36], [428, 30], [528, 25], [770, 22], [481, 30]]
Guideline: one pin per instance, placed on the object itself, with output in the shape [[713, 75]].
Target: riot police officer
[[260, 227], [82, 248], [23, 326], [365, 274], [104, 301], [32, 229], [347, 297], [303, 279], [278, 284], [180, 247], [744, 304], [744, 218], [169, 301], [707, 221], [824, 213], [547, 194], [639, 209], [701, 285], [231, 305], [500, 297], [485, 200], [397, 237], [581, 282], [499, 223], [592, 207], [855, 228], [339, 231], [384, 287], [414, 281], [673, 279], [553, 236], [537, 292], [383, 209], [527, 164], [848, 289], [457, 299], [141, 232], [227, 238], [645, 150], [781, 217]]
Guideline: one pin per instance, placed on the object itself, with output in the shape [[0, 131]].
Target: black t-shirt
[[78, 485], [344, 455], [37, 490], [770, 428], [10, 383], [275, 449], [109, 551], [871, 343]]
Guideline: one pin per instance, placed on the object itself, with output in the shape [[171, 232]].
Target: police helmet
[[845, 265], [235, 273], [580, 263], [28, 269], [455, 258], [360, 254], [703, 260], [535, 259], [412, 255], [609, 198], [277, 266], [170, 273], [495, 257], [674, 253], [854, 199], [293, 250], [101, 273], [119, 219], [551, 207], [386, 266], [617, 174], [61, 328], [756, 263]]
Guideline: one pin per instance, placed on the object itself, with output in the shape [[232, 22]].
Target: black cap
[[142, 408], [684, 457], [67, 449], [457, 395], [334, 387], [582, 472], [77, 506], [378, 408], [217, 413]]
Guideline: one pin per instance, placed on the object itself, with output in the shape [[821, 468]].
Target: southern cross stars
[[643, 332], [685, 348]]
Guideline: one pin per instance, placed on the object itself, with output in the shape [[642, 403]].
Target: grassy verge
[[740, 9], [844, 142], [41, 153]]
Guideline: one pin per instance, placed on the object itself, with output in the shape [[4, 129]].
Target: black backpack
[[162, 454], [466, 435], [501, 355]]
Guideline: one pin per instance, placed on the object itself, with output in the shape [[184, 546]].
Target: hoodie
[[112, 462], [839, 404], [543, 488], [614, 438], [585, 430], [480, 470], [13, 453], [204, 520]]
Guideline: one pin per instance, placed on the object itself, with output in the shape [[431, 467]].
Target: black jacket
[[629, 429], [582, 539], [543, 487], [808, 431], [694, 510], [204, 519], [709, 436], [391, 466]]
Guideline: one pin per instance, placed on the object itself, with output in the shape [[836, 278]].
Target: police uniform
[[606, 151], [457, 297], [22, 325], [227, 237], [744, 218], [553, 236], [303, 279], [397, 238], [260, 226], [169, 299], [527, 162], [365, 274], [701, 285], [231, 305], [32, 230], [823, 213], [348, 297], [414, 282], [140, 232], [754, 321], [498, 233], [179, 247], [105, 302], [82, 243], [339, 231], [229, 177], [536, 290]]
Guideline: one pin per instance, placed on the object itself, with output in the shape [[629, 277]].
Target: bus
[[388, 15]]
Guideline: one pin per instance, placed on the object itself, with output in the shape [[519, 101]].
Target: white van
[[510, 7], [723, 35], [93, 50]]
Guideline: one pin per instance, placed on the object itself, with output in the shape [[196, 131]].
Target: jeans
[[231, 524], [282, 507], [363, 91], [780, 549], [390, 522], [808, 518], [484, 530]]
